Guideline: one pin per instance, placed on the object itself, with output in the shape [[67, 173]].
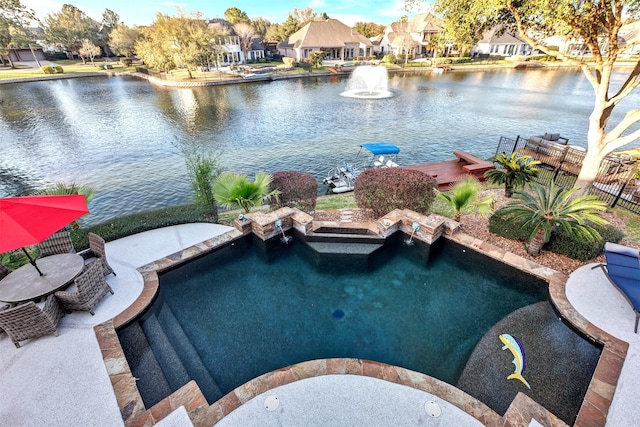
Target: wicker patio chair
[[90, 287], [96, 252], [28, 321], [57, 243], [4, 271]]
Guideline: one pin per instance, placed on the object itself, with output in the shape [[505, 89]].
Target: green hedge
[[560, 242], [502, 225], [144, 221], [583, 250], [297, 190], [383, 190]]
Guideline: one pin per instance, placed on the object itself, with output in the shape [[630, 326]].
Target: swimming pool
[[186, 345]]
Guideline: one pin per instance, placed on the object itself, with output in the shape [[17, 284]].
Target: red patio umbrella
[[29, 220]]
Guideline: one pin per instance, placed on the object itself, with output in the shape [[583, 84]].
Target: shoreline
[[276, 76]]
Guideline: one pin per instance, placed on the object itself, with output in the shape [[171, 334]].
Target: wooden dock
[[449, 172]]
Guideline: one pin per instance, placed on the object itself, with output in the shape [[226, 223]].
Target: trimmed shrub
[[144, 221], [502, 225], [580, 249], [59, 69], [383, 190], [288, 62], [390, 59], [297, 190], [47, 69], [305, 65], [127, 62]]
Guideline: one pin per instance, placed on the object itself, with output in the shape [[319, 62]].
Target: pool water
[[250, 308]]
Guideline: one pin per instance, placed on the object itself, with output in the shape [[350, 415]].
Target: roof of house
[[424, 23], [630, 33], [497, 36], [329, 33], [221, 25], [403, 40]]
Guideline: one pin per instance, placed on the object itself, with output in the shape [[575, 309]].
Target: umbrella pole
[[32, 261]]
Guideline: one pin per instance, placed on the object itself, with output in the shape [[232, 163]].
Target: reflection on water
[[124, 136]]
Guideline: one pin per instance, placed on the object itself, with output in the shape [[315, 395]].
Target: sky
[[142, 12]]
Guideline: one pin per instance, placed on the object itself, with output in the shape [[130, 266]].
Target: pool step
[[343, 248], [188, 355], [350, 238], [172, 367], [150, 379]]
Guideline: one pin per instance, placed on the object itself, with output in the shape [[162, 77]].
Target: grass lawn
[[633, 225], [70, 67]]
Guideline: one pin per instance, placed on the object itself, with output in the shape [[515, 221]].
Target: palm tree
[[463, 197], [316, 58], [61, 189], [515, 171], [545, 209], [237, 191]]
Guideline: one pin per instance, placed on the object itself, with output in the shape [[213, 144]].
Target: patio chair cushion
[[623, 271]]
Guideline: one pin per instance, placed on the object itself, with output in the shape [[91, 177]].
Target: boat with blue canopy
[[341, 178]]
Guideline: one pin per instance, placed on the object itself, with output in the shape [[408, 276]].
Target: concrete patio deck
[[62, 381]]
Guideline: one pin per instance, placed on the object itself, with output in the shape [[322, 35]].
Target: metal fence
[[614, 183]]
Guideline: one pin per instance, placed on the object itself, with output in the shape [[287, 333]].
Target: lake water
[[125, 137]]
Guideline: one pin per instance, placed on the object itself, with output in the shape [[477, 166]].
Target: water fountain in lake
[[368, 82]]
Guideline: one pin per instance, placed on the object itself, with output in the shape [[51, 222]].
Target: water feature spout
[[284, 239], [415, 227], [368, 82]]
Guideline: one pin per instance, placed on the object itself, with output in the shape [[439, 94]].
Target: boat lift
[[341, 178]]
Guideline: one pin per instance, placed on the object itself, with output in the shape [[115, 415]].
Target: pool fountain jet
[[284, 239], [415, 227], [368, 82]]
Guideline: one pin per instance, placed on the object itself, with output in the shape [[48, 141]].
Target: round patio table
[[26, 284]]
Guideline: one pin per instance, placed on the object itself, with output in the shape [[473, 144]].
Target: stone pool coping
[[522, 410]]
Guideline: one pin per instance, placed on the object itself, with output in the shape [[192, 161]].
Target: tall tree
[[15, 19], [236, 16], [273, 33], [304, 16], [110, 21], [88, 50], [173, 41], [123, 40], [369, 29], [246, 34], [261, 26], [288, 27], [68, 28], [596, 24]]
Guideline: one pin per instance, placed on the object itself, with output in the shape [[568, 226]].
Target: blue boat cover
[[381, 148]]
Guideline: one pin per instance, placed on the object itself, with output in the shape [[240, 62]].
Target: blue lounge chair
[[623, 271]]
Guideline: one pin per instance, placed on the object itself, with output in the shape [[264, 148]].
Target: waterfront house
[[500, 42], [230, 44], [412, 36], [335, 39]]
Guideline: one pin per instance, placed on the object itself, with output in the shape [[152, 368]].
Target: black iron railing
[[614, 183]]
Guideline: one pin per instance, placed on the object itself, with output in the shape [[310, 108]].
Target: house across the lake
[[335, 39]]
